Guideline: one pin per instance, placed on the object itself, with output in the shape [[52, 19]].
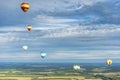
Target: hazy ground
[[58, 71]]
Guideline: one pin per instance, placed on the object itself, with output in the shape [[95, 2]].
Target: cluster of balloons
[[76, 67], [42, 53], [25, 7]]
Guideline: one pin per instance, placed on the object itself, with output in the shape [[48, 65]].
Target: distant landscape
[[59, 39], [58, 71]]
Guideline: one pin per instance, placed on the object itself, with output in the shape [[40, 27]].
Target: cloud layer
[[65, 29]]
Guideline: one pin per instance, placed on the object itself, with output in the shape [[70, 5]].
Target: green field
[[57, 72]]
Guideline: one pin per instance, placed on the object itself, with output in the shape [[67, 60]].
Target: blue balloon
[[43, 54]]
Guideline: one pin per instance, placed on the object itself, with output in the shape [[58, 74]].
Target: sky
[[67, 30]]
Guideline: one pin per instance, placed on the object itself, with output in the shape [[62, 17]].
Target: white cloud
[[3, 39], [8, 37], [89, 2], [52, 20], [19, 56], [18, 34], [61, 5], [59, 55], [92, 30], [13, 28], [99, 54]]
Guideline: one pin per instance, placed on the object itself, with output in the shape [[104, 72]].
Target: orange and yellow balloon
[[25, 6], [29, 27]]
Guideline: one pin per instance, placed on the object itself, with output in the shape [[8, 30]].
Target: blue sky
[[68, 30]]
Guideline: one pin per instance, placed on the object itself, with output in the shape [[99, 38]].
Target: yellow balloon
[[29, 27], [25, 6], [109, 62]]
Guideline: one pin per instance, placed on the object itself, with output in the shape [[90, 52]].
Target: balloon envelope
[[29, 27], [25, 6], [43, 54], [109, 62], [25, 47], [76, 67]]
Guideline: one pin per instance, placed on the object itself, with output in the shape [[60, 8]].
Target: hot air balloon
[[25, 6], [108, 62], [76, 67], [43, 54], [25, 47], [29, 27]]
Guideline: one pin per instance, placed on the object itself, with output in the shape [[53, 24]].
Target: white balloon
[[25, 47]]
